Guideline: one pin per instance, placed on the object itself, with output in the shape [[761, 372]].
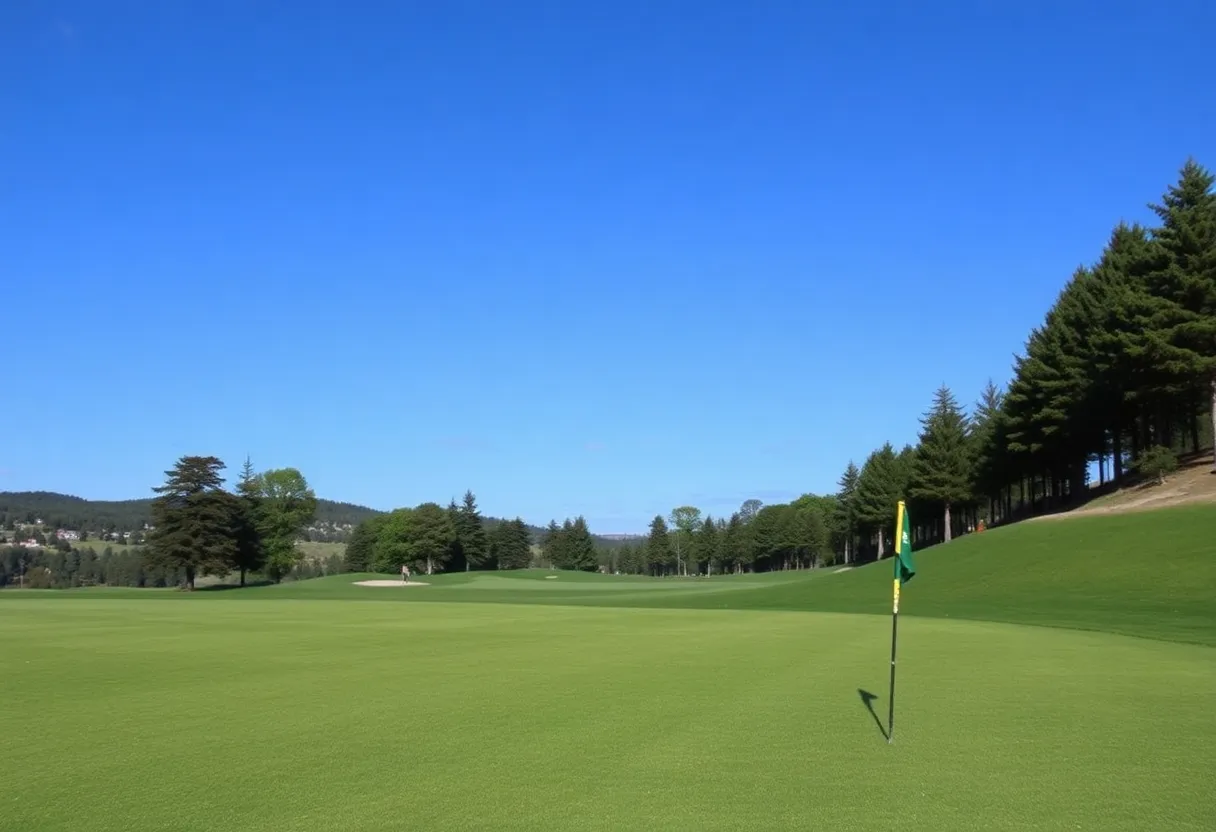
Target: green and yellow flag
[[904, 567]]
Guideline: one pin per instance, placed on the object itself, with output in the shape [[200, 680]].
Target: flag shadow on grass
[[868, 699]]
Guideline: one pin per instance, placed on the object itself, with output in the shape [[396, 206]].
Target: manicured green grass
[[577, 701], [294, 715]]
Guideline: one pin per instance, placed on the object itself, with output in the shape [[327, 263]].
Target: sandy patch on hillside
[[391, 583], [1193, 484]]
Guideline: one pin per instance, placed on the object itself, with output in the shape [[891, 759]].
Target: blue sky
[[580, 258]]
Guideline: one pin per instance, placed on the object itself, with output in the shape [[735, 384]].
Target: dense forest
[[1117, 384]]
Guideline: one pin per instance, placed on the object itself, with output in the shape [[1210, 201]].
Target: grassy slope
[[1147, 574]]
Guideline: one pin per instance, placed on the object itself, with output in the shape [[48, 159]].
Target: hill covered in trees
[[333, 522]]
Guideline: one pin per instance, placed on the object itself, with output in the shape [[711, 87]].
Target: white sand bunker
[[391, 583]]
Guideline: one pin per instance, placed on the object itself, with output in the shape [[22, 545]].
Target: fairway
[[293, 714]]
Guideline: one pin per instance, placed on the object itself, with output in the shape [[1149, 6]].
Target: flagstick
[[903, 569], [894, 634]]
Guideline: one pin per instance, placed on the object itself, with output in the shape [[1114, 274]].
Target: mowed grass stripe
[[294, 715]]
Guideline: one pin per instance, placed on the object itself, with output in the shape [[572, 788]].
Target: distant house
[[30, 544], [67, 534]]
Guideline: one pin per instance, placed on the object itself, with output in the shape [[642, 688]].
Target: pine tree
[[878, 492], [194, 521], [1185, 344], [511, 545], [986, 477], [361, 548], [733, 542], [813, 536], [553, 545], [469, 547], [581, 554], [706, 544], [1124, 376], [473, 534], [941, 468], [658, 544], [250, 553], [846, 508]]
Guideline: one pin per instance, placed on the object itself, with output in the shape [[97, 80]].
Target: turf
[[540, 701], [293, 715]]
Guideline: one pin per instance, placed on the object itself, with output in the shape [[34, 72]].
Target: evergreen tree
[[811, 536], [360, 553], [1185, 340], [250, 553], [472, 534], [580, 550], [732, 542], [511, 545], [194, 520], [878, 492], [706, 545], [1122, 373], [846, 508], [941, 468], [986, 478], [659, 552]]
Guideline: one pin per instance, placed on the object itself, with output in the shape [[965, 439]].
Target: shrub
[[1155, 462]]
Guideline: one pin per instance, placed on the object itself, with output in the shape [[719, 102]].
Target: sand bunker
[[391, 583]]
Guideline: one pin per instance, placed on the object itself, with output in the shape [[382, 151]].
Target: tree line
[[1122, 371], [430, 538]]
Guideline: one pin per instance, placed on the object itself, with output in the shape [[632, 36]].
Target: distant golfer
[[405, 574]]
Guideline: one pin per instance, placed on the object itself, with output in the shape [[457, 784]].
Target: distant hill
[[65, 511], [333, 523]]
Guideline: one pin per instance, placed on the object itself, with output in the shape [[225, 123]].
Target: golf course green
[[1058, 674]]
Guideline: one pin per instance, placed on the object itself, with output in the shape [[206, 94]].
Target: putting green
[[262, 713]]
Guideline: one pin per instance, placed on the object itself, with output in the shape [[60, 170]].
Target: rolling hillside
[[65, 511]]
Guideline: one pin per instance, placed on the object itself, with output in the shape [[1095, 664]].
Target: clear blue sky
[[580, 258]]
